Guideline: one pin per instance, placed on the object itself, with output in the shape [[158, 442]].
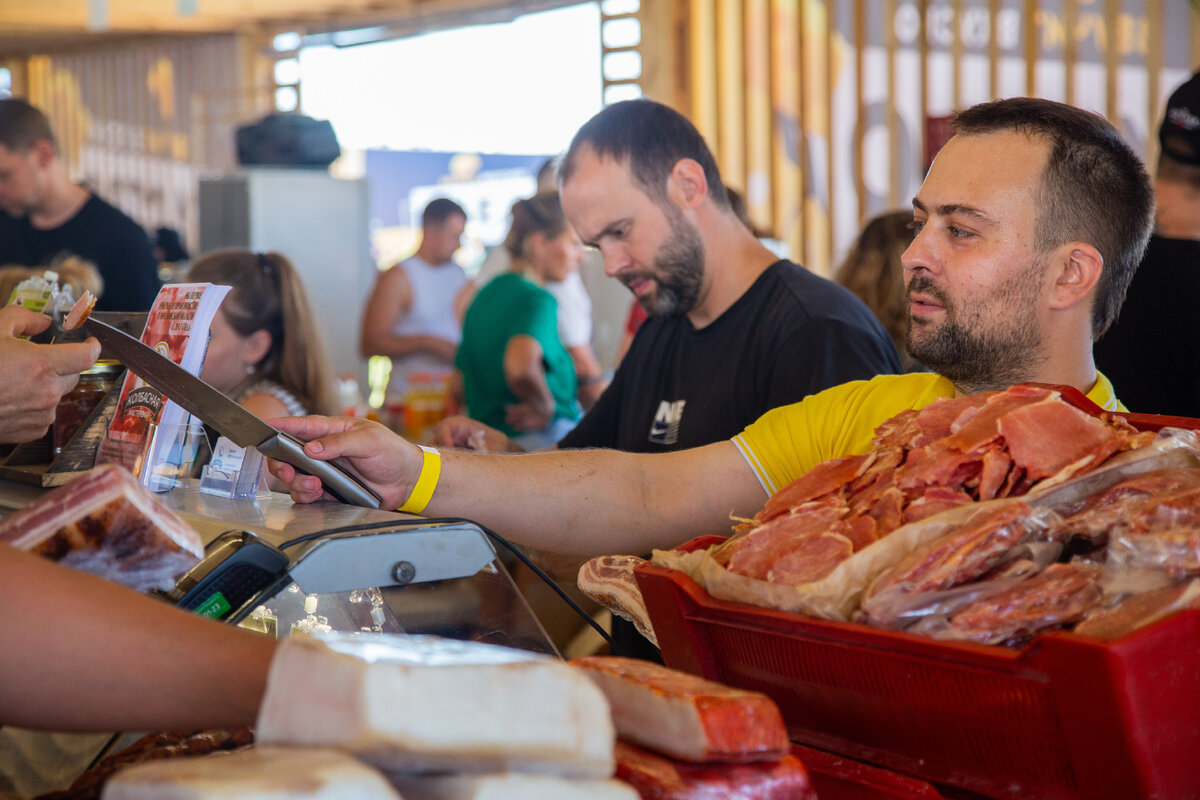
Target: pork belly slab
[[419, 703], [685, 716], [256, 773], [106, 523]]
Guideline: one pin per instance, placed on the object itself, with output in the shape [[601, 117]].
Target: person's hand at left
[[36, 375], [385, 463]]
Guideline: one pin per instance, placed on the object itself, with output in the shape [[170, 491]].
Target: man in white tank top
[[414, 313]]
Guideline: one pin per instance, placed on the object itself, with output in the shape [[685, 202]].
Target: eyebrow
[[948, 209], [607, 230]]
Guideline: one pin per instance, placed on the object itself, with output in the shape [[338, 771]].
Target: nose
[[615, 260], [918, 255]]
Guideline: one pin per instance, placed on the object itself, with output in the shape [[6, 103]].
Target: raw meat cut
[[656, 777], [419, 703], [685, 716], [106, 523], [256, 773]]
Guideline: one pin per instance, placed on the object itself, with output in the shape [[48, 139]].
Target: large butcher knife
[[230, 419]]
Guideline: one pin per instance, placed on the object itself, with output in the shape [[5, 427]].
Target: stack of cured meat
[[106, 523], [949, 454], [681, 737], [986, 518], [383, 717]]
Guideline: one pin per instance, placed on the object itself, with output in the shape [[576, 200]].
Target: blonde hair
[[872, 271], [267, 294], [78, 273], [542, 214]]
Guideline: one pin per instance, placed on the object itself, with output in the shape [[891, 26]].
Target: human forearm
[[585, 501], [82, 653]]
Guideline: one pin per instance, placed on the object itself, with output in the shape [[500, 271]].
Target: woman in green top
[[517, 376]]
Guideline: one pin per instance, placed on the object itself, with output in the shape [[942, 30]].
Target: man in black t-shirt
[[1150, 352], [44, 214], [733, 331]]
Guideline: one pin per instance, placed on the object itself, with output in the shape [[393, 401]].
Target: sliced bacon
[[937, 419], [808, 559], [685, 716], [935, 500], [983, 425], [106, 523], [752, 553], [996, 464], [1045, 438], [655, 777], [821, 480]]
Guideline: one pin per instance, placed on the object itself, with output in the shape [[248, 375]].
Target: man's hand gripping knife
[[404, 475]]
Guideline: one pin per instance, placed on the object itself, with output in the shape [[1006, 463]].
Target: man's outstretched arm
[[586, 502]]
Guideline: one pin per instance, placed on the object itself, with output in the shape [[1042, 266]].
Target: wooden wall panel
[[839, 96], [140, 124]]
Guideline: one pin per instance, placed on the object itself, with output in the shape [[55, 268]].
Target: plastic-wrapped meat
[[1137, 610], [1061, 594], [1137, 504], [685, 716], [656, 777], [956, 558], [106, 523], [1175, 549]]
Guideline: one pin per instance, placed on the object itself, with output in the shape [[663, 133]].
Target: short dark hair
[[1095, 188], [21, 125], [651, 138], [440, 210]]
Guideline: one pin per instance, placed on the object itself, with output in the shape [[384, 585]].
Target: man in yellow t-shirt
[[1027, 228]]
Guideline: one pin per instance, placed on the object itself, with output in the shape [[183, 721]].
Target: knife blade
[[228, 417]]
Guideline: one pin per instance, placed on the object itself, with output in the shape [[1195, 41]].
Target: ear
[[686, 185], [1078, 271], [256, 346], [42, 152]]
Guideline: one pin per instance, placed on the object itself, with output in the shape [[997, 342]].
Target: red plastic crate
[[1066, 717], [837, 778]]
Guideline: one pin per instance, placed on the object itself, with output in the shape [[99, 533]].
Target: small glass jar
[[77, 404]]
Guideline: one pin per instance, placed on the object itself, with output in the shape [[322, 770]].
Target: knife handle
[[339, 482]]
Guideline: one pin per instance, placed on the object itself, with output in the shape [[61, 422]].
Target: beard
[[964, 349], [678, 271]]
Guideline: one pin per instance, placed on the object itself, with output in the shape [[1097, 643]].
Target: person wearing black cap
[[1150, 352]]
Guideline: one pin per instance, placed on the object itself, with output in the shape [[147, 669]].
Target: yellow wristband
[[422, 493]]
